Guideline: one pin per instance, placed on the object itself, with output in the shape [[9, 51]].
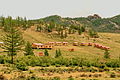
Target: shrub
[[46, 52], [1, 59], [28, 49], [113, 75], [58, 53], [70, 78], [21, 66], [106, 54], [56, 78]]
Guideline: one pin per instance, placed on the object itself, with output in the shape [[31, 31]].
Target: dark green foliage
[[65, 35], [93, 34], [106, 54], [83, 29], [46, 52], [12, 41], [79, 31], [114, 63], [58, 53], [28, 49], [116, 19], [39, 28], [1, 59], [56, 78], [21, 66], [70, 78]]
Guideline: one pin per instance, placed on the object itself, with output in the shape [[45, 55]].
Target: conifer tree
[[61, 34], [79, 31], [58, 53], [28, 49], [65, 34], [46, 52], [12, 41]]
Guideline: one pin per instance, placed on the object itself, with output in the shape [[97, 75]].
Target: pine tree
[[25, 23], [46, 52], [83, 29], [69, 31], [65, 34], [28, 49], [12, 41], [58, 53], [106, 54], [61, 34], [2, 19], [79, 31]]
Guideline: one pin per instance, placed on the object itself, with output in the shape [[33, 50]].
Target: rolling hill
[[94, 21]]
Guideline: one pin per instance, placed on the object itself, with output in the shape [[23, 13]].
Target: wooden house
[[75, 44], [90, 44], [64, 43], [71, 50], [51, 43], [82, 44], [36, 45], [101, 46], [58, 43], [41, 46], [40, 54]]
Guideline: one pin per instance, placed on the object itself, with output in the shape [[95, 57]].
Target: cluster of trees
[[5, 22], [64, 30]]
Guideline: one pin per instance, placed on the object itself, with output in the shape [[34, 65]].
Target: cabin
[[1, 44], [82, 44], [36, 45], [71, 50], [64, 43], [40, 54], [101, 46], [105, 48], [58, 43], [41, 46], [75, 44], [51, 43], [90, 44]]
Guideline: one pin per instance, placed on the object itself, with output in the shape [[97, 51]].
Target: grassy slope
[[107, 39]]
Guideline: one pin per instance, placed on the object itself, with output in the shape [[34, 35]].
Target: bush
[[21, 66], [46, 52], [1, 60], [56, 78], [112, 75]]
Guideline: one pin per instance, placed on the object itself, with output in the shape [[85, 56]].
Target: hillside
[[94, 21], [111, 40], [85, 62], [108, 39]]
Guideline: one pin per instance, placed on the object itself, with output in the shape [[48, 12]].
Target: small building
[[64, 43], [82, 44], [36, 45], [71, 50], [51, 43], [58, 43], [75, 44], [41, 46], [40, 54], [90, 44]]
